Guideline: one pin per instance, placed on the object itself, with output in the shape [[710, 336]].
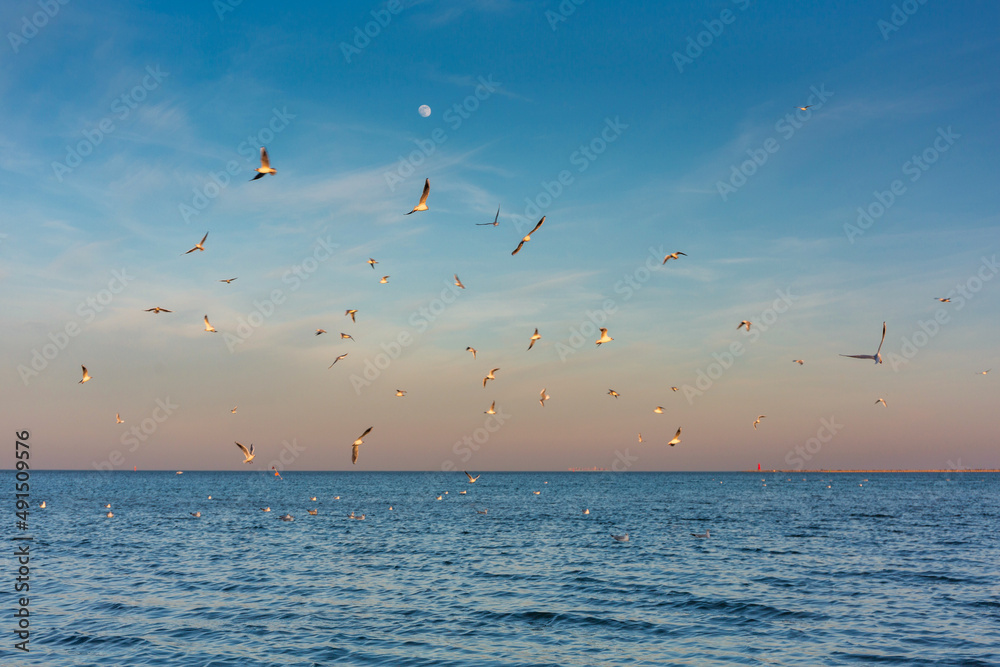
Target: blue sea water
[[800, 569]]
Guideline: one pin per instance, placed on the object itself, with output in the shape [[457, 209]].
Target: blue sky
[[631, 141]]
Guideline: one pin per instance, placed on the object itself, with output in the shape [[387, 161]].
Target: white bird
[[472, 480], [287, 517], [490, 376], [157, 309], [265, 165], [199, 246], [528, 236], [320, 332], [744, 323], [118, 419], [798, 361], [372, 262], [658, 409], [612, 392], [492, 224], [943, 300], [209, 327], [313, 512], [42, 506], [313, 499], [400, 392], [458, 283], [677, 438], [228, 281], [344, 336], [543, 397], [586, 511], [265, 509], [640, 438], [877, 356], [233, 411], [336, 360], [672, 255], [357, 443], [984, 372], [384, 280], [675, 389], [492, 410], [196, 515], [757, 421], [472, 350], [247, 453], [109, 514], [882, 401], [705, 534], [108, 506], [535, 336], [86, 376], [352, 311], [482, 511], [422, 206], [620, 538], [605, 338]]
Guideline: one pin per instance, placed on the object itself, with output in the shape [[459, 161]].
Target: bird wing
[[497, 217], [203, 239], [427, 191], [881, 341], [537, 226], [367, 431], [354, 454], [859, 356], [468, 475], [518, 248], [246, 452], [264, 160]]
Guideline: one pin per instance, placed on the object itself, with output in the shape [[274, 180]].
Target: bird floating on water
[[705, 534], [620, 538]]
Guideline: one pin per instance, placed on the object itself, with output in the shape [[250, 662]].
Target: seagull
[[86, 375], [658, 409], [344, 336], [472, 350], [384, 280], [744, 323], [400, 392], [320, 331], [798, 361], [943, 300], [672, 255], [675, 389], [227, 280], [472, 480], [247, 453], [109, 514], [313, 499], [490, 377], [605, 338], [882, 401], [458, 283], [157, 309], [350, 313], [336, 360], [586, 511], [620, 538], [200, 246], [543, 397], [805, 107], [612, 392], [313, 512], [372, 262], [265, 165], [482, 511], [700, 535], [287, 517], [233, 411], [265, 509], [535, 336], [118, 419], [357, 444], [640, 438], [492, 224], [492, 410], [877, 357], [108, 506], [528, 237], [984, 372], [196, 515], [677, 438], [757, 421], [422, 206], [209, 327], [42, 506]]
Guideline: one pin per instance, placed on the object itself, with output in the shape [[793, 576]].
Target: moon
[[424, 110]]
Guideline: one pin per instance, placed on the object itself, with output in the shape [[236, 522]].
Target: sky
[[636, 129]]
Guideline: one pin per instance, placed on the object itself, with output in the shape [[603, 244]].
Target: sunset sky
[[131, 131]]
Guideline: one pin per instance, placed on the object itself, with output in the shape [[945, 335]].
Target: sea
[[798, 569]]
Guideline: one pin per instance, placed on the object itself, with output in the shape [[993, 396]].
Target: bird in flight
[[492, 410], [422, 206], [612, 392], [877, 357], [372, 262], [86, 375], [458, 283], [336, 360], [640, 438], [528, 236], [400, 392], [672, 255], [320, 331], [227, 280], [943, 300], [744, 323], [157, 309], [496, 220], [535, 336], [199, 246], [384, 280], [677, 438], [675, 389], [357, 443], [605, 338], [350, 313], [472, 350], [472, 480], [265, 165], [658, 409], [805, 107], [798, 361], [984, 372], [344, 336], [209, 327], [882, 401], [757, 421], [247, 453], [490, 376], [543, 397], [118, 419]]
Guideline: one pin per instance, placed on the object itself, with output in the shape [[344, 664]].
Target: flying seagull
[[265, 165], [675, 389], [200, 246], [543, 397], [535, 336], [227, 280], [757, 421], [344, 336], [233, 411], [744, 323], [673, 255], [247, 453], [640, 438], [805, 107], [400, 392], [658, 409], [372, 262], [492, 410], [943, 300], [528, 236], [496, 220], [422, 206], [877, 357], [320, 331], [157, 309], [357, 444], [612, 392], [384, 280], [458, 283], [118, 419], [86, 375], [677, 438], [472, 350], [472, 480], [350, 313], [984, 372], [798, 361], [209, 327], [605, 338], [336, 360], [490, 376], [882, 401]]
